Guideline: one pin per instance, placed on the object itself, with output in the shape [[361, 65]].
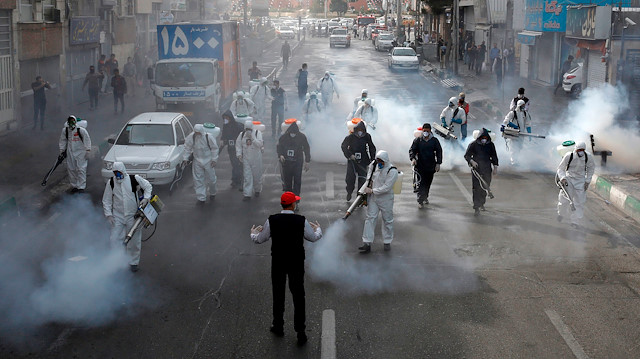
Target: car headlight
[[108, 165], [160, 166]]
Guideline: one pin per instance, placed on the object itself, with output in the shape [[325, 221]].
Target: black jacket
[[293, 148], [362, 147], [231, 130], [485, 155], [428, 153]]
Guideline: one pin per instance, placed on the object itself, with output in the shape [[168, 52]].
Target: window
[[26, 11], [179, 134], [38, 10], [49, 12], [186, 126], [5, 33], [141, 135]]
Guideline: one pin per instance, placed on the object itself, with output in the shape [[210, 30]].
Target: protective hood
[[229, 115], [383, 155], [293, 128], [484, 133], [581, 146], [198, 128], [119, 166], [360, 127]]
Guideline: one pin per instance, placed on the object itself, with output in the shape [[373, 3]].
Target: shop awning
[[462, 3], [597, 45], [528, 37]]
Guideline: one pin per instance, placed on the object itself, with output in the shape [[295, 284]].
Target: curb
[[625, 202]]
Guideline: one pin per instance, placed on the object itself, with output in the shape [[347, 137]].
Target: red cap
[[288, 198]]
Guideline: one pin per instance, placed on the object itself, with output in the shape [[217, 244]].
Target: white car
[[572, 81], [403, 58], [384, 41], [333, 25], [285, 32], [340, 37], [150, 145]]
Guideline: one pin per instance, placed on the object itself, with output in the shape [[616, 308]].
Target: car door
[[177, 153]]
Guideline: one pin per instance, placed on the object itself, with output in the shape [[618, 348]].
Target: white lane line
[[462, 188], [328, 347], [565, 332], [329, 192]]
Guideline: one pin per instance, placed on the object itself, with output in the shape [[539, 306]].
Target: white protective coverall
[[121, 204], [357, 102], [520, 120], [578, 174], [242, 106], [260, 94], [368, 113], [452, 119], [311, 108], [205, 157], [327, 87], [77, 143], [381, 199], [249, 147]]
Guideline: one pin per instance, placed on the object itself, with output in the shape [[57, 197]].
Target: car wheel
[[576, 90]]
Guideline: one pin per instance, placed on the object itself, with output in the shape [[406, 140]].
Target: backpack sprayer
[[145, 216], [362, 197], [443, 131]]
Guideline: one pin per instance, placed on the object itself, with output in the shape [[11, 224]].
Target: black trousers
[[277, 117], [236, 166], [279, 274], [118, 97], [355, 170], [426, 178], [93, 97], [302, 93], [292, 176], [38, 111], [480, 195]]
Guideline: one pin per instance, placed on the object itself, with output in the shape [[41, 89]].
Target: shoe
[[74, 190], [302, 338], [348, 197], [80, 190], [365, 248], [240, 189], [246, 198], [476, 212], [482, 208], [387, 247], [212, 197], [257, 194], [277, 331], [200, 203], [420, 205], [426, 201], [559, 218], [234, 185], [133, 267]]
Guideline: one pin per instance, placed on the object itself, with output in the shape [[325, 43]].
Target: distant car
[[340, 37], [403, 58], [384, 41], [572, 81], [333, 25], [150, 145], [285, 32]]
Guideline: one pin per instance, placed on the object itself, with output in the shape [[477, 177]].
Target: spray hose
[[483, 184], [417, 179], [565, 193]]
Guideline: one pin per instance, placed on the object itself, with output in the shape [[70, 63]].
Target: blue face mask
[[119, 175], [380, 165]]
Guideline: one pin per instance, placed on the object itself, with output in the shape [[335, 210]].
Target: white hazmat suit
[[260, 94], [77, 143], [205, 157], [368, 113], [312, 107], [381, 200], [120, 204], [241, 105], [357, 102], [520, 120], [327, 87], [453, 116], [577, 169], [249, 148]]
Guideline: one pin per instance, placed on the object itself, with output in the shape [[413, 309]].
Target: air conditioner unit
[[108, 3]]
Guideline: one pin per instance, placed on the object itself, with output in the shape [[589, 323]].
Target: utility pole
[[244, 6], [399, 19], [456, 25]]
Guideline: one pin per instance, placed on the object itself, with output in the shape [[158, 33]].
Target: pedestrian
[[426, 157], [493, 54], [312, 106], [518, 119], [359, 150], [260, 94], [149, 79], [518, 97], [566, 67], [230, 131], [294, 155], [285, 52], [481, 155], [301, 82], [254, 72], [452, 114], [512, 61], [120, 204], [249, 148], [482, 50], [75, 143], [327, 87], [443, 53], [497, 69], [288, 232], [242, 105], [39, 100], [102, 68], [278, 107], [119, 85], [574, 173], [204, 148], [462, 103], [379, 190], [357, 102], [94, 80], [139, 62], [111, 65], [129, 73], [368, 113], [473, 54]]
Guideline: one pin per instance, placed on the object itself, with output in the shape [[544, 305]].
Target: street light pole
[[244, 5], [455, 37]]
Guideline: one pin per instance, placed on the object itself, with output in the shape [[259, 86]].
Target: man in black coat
[[294, 154], [230, 131], [480, 155], [359, 150], [426, 156]]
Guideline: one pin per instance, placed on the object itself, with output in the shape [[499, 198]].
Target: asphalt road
[[512, 283]]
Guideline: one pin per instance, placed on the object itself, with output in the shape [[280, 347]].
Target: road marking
[[328, 347], [329, 192], [565, 332], [462, 188], [60, 340]]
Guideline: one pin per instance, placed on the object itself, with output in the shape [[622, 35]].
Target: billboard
[[190, 40]]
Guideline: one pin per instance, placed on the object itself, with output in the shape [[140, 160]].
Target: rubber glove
[[306, 166], [112, 221], [144, 202], [473, 164], [281, 159], [437, 167]]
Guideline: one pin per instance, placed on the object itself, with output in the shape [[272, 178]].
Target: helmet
[[520, 103], [453, 101]]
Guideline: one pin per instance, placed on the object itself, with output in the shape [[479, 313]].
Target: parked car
[[403, 58], [572, 81], [340, 37], [384, 41], [285, 32], [150, 145]]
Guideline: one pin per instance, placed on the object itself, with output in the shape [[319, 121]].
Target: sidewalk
[[622, 191]]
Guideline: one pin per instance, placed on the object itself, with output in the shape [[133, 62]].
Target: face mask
[[119, 175], [226, 122], [292, 135], [72, 124], [380, 165], [426, 134], [363, 98], [451, 105], [359, 133], [92, 71], [581, 153], [483, 141], [520, 95]]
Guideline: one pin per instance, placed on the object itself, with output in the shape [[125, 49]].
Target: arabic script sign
[[84, 30], [545, 15]]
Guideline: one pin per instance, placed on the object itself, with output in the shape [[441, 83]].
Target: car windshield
[[386, 37], [286, 28], [404, 52], [146, 134], [178, 74], [339, 32]]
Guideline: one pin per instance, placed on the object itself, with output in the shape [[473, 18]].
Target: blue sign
[[195, 93], [546, 15], [190, 40], [84, 30], [526, 39]]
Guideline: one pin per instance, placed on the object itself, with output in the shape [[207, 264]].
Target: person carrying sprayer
[[357, 102], [519, 96], [204, 148], [359, 150], [520, 120], [312, 106], [278, 107], [242, 104], [381, 177], [574, 173], [75, 143], [249, 148], [260, 94], [294, 155], [481, 155], [120, 203], [368, 113], [452, 114], [426, 157], [231, 129], [327, 86]]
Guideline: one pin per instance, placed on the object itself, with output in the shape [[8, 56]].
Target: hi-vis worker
[[75, 141], [249, 147], [520, 120], [327, 86], [260, 94], [204, 148], [575, 172], [242, 104], [452, 115], [120, 204]]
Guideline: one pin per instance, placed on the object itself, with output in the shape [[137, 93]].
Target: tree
[[338, 6]]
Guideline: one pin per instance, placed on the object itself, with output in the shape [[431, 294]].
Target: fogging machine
[[443, 131], [565, 193], [512, 132], [362, 197], [145, 216], [59, 160]]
